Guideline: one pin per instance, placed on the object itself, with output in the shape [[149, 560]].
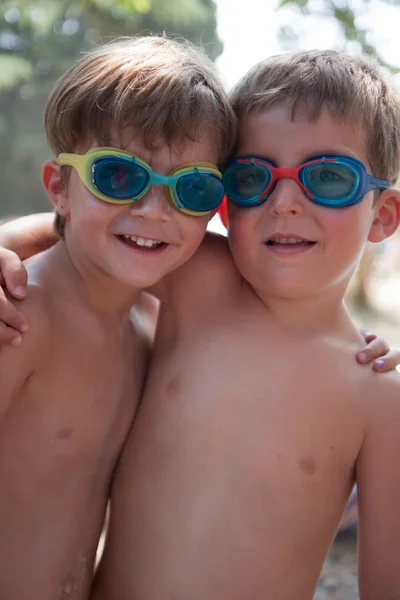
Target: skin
[[255, 422], [204, 485], [69, 393]]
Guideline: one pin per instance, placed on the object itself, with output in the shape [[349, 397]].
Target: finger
[[13, 273], [368, 336], [388, 362], [8, 335], [374, 350], [11, 317]]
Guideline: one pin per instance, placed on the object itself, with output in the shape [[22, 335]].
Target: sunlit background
[[254, 29]]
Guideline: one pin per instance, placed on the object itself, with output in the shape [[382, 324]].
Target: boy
[[68, 394], [234, 475]]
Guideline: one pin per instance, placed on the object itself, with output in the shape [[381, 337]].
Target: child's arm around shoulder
[[28, 235], [378, 482]]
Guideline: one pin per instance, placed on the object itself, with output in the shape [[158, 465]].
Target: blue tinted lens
[[331, 180], [118, 178], [244, 183], [200, 192]]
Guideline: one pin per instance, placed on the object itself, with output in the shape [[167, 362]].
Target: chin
[[141, 283], [289, 290]]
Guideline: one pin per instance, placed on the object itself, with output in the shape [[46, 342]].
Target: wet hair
[[167, 89], [353, 89]]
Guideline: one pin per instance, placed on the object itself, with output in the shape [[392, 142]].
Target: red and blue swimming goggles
[[331, 180]]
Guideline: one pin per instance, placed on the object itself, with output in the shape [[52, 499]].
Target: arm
[[378, 482], [29, 235]]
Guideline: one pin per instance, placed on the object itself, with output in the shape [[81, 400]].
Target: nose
[[287, 199], [153, 205]]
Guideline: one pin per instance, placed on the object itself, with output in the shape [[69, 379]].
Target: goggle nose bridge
[[284, 173]]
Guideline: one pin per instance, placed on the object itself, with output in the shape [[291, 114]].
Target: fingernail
[[362, 357], [380, 363], [16, 341], [20, 290], [23, 328]]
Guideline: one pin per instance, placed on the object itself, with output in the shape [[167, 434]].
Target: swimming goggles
[[118, 177], [331, 180]]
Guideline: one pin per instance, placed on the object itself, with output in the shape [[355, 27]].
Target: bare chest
[[239, 441], [263, 416], [75, 409]]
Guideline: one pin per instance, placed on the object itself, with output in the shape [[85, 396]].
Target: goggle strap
[[223, 211]]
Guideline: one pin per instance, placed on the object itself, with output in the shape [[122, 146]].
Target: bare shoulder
[[38, 309], [379, 403], [210, 268], [382, 396], [212, 256], [17, 364]]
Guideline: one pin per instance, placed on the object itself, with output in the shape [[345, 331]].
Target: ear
[[386, 216], [55, 188]]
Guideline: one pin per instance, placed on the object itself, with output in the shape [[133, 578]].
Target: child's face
[[140, 242], [333, 238]]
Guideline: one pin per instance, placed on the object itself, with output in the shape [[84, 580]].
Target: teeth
[[142, 241], [287, 241]]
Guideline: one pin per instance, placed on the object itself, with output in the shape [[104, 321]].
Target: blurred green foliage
[[39, 40]]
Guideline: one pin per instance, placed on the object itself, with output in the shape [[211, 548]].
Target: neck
[[91, 287], [323, 313]]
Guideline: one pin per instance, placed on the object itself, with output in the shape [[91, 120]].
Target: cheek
[[347, 231], [88, 214], [192, 231], [242, 225]]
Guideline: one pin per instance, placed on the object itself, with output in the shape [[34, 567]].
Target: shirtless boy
[[69, 392], [255, 420]]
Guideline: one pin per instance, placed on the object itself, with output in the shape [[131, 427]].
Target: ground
[[338, 580]]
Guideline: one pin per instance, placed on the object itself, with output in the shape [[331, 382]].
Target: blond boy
[[68, 394]]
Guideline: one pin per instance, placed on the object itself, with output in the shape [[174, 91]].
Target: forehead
[[275, 134], [204, 147]]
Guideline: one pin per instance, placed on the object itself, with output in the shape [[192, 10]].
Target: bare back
[[62, 426], [241, 457]]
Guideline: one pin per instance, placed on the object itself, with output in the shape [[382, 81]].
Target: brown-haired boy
[[255, 421], [68, 394]]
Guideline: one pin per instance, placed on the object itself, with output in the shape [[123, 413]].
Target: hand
[[376, 351], [14, 277]]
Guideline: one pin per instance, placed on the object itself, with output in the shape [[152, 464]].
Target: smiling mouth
[[289, 242], [140, 242]]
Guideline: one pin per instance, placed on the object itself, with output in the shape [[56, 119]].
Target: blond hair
[[352, 88], [166, 89]]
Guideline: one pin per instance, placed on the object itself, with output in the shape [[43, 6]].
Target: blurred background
[[40, 39]]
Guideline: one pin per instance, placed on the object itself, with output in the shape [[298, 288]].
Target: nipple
[[68, 587]]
